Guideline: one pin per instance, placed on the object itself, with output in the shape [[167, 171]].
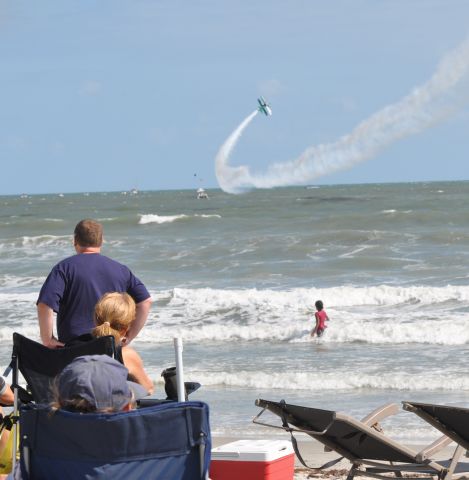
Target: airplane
[[264, 107]]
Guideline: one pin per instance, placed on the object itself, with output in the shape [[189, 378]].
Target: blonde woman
[[113, 315]]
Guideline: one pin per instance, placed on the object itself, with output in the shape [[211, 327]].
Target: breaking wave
[[160, 219], [320, 381], [375, 315], [380, 315], [144, 219]]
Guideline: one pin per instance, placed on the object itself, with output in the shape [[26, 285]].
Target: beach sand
[[314, 455]]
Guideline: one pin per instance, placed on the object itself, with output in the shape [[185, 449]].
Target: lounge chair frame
[[389, 457], [442, 418]]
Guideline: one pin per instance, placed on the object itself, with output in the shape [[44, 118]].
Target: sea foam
[[331, 381], [375, 315], [160, 219], [144, 219]]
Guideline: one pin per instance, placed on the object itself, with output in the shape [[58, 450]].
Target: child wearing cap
[[95, 383]]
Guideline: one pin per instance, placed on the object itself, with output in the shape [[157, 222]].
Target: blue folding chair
[[40, 365], [168, 441]]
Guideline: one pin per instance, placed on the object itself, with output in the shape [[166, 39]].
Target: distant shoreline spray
[[428, 104]]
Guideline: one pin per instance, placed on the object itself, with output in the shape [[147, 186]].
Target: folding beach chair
[[169, 441], [39, 366], [452, 421], [370, 452]]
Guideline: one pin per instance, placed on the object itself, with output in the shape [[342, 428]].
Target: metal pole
[[14, 385], [179, 370]]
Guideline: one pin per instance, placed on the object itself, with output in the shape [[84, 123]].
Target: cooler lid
[[253, 450]]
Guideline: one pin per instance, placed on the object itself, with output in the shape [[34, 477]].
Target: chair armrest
[[380, 413], [436, 446], [372, 419]]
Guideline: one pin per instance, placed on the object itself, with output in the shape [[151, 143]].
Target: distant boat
[[201, 194], [134, 191]]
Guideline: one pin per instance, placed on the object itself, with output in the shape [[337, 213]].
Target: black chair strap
[[8, 421], [294, 443]]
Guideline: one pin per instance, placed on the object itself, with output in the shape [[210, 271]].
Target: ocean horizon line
[[215, 189]]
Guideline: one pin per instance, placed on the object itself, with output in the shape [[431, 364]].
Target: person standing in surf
[[321, 319]]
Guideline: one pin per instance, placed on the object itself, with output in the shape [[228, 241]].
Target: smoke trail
[[426, 105], [231, 179]]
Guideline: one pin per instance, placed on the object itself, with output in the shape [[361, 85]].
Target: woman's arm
[[134, 364]]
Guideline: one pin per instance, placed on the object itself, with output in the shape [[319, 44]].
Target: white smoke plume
[[232, 179], [426, 105]]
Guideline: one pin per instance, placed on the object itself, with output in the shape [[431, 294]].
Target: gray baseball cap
[[100, 380]]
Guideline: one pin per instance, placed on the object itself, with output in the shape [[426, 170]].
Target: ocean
[[237, 277]]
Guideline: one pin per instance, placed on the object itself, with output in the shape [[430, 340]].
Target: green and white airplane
[[264, 107]]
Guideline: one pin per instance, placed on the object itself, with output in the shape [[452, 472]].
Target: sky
[[112, 95]]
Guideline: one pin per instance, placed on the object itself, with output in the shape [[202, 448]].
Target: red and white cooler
[[253, 460]]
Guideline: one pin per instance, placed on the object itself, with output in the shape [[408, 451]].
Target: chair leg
[[397, 473], [202, 460], [352, 471], [448, 475]]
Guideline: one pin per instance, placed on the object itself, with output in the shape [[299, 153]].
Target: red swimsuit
[[321, 316]]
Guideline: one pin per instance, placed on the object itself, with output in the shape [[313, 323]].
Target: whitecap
[[375, 315], [331, 381], [159, 219]]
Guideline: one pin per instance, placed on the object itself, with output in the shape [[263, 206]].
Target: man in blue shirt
[[75, 284]]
